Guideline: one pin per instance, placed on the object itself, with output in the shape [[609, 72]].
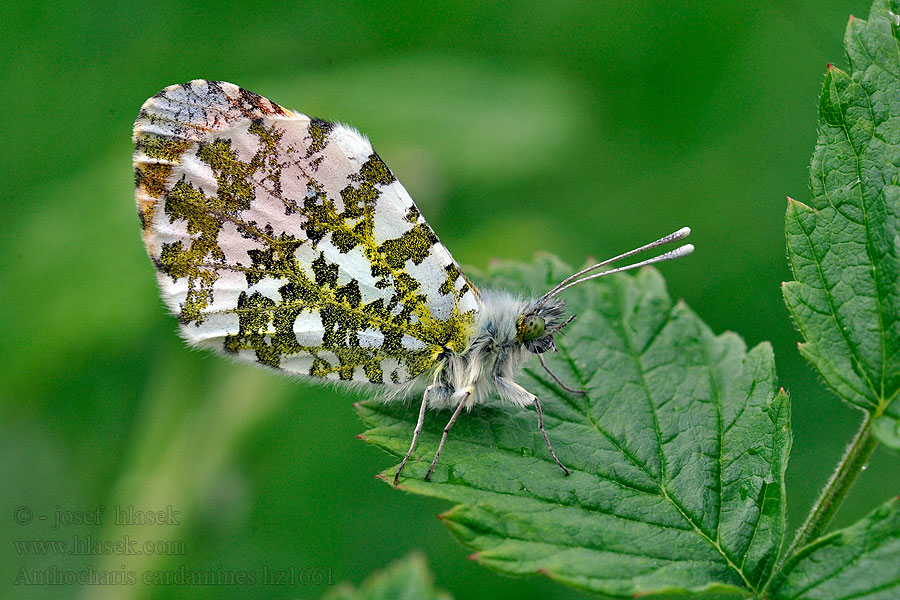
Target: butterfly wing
[[285, 240]]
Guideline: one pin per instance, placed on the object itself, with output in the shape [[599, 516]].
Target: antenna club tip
[[683, 232], [685, 250]]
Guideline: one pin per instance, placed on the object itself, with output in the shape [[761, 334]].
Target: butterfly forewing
[[287, 241]]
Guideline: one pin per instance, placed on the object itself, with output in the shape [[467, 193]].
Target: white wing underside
[[286, 178]]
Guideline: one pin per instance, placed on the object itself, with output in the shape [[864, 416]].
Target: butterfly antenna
[[677, 253], [573, 280]]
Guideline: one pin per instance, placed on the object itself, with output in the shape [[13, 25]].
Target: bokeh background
[[579, 128]]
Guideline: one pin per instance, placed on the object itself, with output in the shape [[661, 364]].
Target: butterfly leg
[[416, 433], [556, 379], [459, 407], [540, 413], [515, 393]]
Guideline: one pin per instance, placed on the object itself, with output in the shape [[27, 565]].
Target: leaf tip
[[385, 478], [447, 513], [793, 203]]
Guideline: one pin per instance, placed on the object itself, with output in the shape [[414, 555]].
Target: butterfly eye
[[531, 328]]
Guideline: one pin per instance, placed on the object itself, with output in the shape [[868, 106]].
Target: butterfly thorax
[[509, 331]]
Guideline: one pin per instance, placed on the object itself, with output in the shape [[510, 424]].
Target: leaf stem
[[853, 462]]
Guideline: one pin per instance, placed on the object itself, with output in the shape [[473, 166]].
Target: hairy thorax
[[492, 360]]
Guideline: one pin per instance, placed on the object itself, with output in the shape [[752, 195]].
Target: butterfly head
[[539, 322], [543, 318]]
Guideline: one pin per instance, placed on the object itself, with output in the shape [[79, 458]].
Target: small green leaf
[[407, 579], [677, 451], [862, 561], [844, 247], [887, 429]]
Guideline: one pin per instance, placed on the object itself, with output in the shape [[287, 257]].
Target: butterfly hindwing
[[286, 240]]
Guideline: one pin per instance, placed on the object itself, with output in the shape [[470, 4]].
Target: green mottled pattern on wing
[[286, 240]]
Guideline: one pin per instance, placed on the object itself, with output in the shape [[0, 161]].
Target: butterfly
[[285, 240]]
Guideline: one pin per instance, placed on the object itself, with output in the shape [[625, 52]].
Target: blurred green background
[[579, 128]]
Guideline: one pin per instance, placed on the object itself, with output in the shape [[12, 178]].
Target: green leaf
[[887, 429], [677, 451], [844, 247], [407, 579], [862, 561]]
